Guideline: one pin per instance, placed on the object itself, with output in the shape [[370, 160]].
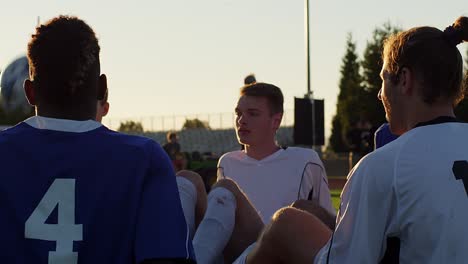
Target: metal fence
[[175, 122]]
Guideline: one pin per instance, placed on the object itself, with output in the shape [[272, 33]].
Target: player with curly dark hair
[[73, 191]]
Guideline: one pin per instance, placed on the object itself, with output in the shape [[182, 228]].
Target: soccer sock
[[216, 228], [188, 198]]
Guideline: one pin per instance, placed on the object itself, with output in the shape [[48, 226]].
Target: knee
[[193, 177], [228, 184], [285, 216], [277, 232], [285, 221]]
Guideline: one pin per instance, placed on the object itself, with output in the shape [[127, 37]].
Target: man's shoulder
[[131, 141], [19, 130], [235, 155], [301, 150], [99, 137], [379, 162], [302, 154], [382, 127]]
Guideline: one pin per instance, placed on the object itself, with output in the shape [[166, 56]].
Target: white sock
[[216, 228], [188, 198]]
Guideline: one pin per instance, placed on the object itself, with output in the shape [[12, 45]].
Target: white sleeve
[[220, 169], [314, 186], [367, 216]]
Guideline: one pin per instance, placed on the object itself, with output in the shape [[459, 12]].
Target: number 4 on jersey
[[460, 170], [62, 194]]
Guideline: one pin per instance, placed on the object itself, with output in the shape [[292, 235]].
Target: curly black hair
[[64, 64]]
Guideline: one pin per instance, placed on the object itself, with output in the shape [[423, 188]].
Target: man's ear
[[406, 81], [102, 87], [105, 109], [29, 91], [277, 120]]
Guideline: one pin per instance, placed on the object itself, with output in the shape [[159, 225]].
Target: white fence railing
[[175, 122]]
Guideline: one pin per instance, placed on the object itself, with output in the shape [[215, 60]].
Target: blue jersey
[[77, 192], [383, 135]]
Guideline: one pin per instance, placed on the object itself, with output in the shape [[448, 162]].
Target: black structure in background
[[303, 120]]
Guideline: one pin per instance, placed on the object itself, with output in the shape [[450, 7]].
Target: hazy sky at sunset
[[185, 57]]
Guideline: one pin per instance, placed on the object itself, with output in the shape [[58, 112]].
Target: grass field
[[335, 195]]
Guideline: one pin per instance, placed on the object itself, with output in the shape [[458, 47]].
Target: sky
[[186, 57]]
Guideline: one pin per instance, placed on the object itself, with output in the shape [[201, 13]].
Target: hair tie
[[452, 36]]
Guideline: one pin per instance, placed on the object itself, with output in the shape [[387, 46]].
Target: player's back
[[86, 197], [431, 183]]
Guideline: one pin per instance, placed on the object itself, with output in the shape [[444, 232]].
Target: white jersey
[[413, 189], [279, 179]]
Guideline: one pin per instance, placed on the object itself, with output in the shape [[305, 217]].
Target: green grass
[[335, 195]]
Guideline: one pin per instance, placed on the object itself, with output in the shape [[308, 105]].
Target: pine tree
[[348, 108]]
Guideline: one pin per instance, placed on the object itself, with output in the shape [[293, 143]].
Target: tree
[[371, 67], [131, 127], [195, 123], [337, 143], [349, 107]]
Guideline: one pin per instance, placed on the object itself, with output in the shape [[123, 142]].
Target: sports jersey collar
[[266, 159], [438, 120], [63, 125]]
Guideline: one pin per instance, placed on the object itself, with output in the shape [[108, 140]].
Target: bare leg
[[248, 223], [197, 181], [293, 236]]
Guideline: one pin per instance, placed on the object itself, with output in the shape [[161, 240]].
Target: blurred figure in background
[[172, 148], [383, 135]]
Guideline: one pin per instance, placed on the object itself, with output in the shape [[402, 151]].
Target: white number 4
[[62, 194]]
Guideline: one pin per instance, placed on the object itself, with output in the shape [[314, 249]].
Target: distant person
[[270, 175], [383, 135], [172, 148], [414, 189], [102, 107], [72, 190], [360, 138]]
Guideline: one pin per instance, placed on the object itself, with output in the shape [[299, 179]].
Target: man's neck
[[428, 114], [260, 152], [65, 115]]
